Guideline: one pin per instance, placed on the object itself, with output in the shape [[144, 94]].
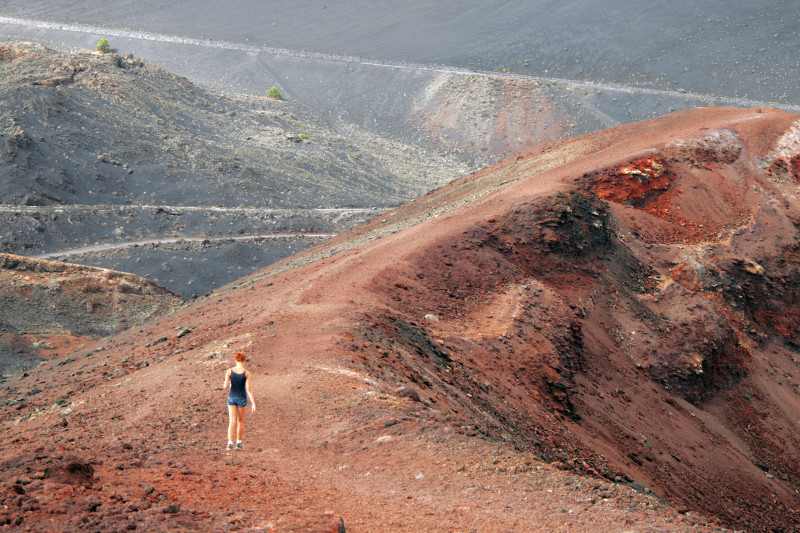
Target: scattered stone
[[431, 318], [384, 439], [324, 523], [72, 470], [157, 341], [408, 392], [91, 503], [752, 267], [172, 508]]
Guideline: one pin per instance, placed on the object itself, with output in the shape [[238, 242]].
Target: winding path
[[177, 209], [130, 244]]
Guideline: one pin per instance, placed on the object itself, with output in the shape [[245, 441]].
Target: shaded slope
[[651, 336], [618, 304]]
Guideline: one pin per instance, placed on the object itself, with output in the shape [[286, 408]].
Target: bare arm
[[227, 379], [250, 392]]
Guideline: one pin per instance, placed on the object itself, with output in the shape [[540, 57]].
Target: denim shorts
[[238, 401]]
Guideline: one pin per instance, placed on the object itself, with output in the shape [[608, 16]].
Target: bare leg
[[240, 430], [232, 418]]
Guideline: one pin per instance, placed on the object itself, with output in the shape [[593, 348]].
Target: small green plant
[[103, 46], [304, 136], [274, 93]]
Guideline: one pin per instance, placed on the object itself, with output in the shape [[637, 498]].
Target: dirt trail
[[130, 244]]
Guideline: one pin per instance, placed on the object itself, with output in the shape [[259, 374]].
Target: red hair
[[240, 357]]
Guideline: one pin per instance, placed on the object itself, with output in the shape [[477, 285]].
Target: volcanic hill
[[110, 161], [595, 335]]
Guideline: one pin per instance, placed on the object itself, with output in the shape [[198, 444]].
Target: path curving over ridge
[[617, 305]]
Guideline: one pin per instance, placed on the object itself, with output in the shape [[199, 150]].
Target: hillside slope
[[48, 309], [90, 130], [112, 150], [621, 306]]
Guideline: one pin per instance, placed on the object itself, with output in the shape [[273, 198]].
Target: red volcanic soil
[[596, 335]]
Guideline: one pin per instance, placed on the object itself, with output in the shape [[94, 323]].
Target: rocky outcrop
[[625, 326], [46, 307]]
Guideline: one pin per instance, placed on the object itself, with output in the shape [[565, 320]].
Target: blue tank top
[[238, 384]]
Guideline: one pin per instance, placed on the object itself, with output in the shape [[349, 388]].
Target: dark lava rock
[[172, 508], [408, 392], [72, 470]]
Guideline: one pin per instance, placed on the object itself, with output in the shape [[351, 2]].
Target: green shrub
[[274, 93], [304, 136], [103, 46]]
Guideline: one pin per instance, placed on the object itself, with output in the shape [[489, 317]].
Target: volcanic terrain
[[48, 309], [599, 334], [111, 161]]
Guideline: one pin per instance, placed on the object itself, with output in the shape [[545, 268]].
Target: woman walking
[[239, 380]]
